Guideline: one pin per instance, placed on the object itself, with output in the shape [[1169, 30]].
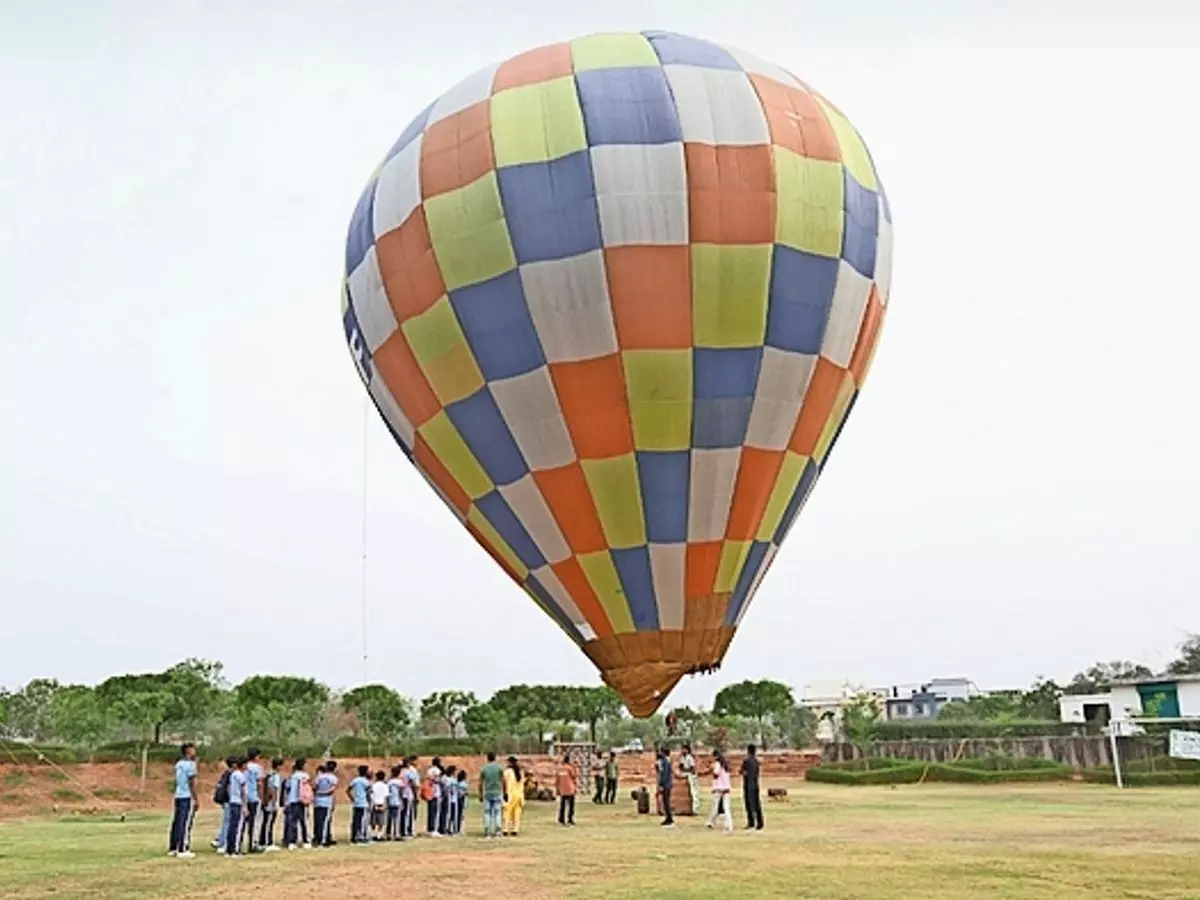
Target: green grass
[[929, 842]]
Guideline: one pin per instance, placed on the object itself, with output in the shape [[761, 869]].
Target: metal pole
[[363, 573], [1116, 755]]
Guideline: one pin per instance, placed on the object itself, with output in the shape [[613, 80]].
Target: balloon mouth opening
[[643, 667]]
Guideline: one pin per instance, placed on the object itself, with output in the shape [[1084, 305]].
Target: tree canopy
[[763, 701], [1188, 661]]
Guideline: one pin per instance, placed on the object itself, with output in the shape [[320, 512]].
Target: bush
[[873, 763], [1105, 775], [991, 770], [31, 755], [1008, 763], [909, 773], [1163, 764], [948, 730], [131, 751], [968, 775]]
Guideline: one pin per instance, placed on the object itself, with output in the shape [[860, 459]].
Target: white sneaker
[[270, 848], [293, 847], [171, 852], [308, 846], [185, 854], [220, 851]]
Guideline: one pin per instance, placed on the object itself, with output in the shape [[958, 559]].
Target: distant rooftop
[[1157, 679]]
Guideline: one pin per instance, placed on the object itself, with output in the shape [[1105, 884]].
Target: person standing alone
[[185, 803], [665, 775], [750, 789], [610, 779], [491, 795], [566, 779]]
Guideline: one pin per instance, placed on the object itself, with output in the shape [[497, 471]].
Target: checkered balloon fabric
[[615, 298]]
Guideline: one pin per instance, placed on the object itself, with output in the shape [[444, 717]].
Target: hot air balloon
[[614, 299]]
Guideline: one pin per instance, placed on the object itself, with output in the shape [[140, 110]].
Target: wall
[[1125, 697], [1070, 706], [1189, 698]]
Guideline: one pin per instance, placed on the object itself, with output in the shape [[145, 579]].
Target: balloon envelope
[[614, 298]]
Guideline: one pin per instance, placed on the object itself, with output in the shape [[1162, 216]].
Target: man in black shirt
[[750, 789]]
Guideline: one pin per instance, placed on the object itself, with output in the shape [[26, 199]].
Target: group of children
[[383, 808]]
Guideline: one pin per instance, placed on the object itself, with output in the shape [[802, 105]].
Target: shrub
[[1007, 763], [29, 754], [909, 773], [131, 751], [66, 795], [947, 730], [994, 770], [968, 775], [1105, 775]]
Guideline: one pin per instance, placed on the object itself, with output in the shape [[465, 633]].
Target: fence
[[1078, 752]]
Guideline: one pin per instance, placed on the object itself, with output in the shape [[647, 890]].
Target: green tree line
[[193, 701]]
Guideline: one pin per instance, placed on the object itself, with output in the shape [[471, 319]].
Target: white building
[[1174, 697]]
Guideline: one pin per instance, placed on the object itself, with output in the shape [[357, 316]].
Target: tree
[[1188, 662], [531, 709], [77, 717], [279, 706], [194, 689], [799, 726], [143, 711], [5, 711], [448, 707], [692, 722], [595, 705], [762, 701], [384, 713], [29, 709], [1101, 676], [860, 722], [484, 721]]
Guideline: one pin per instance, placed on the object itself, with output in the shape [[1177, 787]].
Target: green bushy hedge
[[992, 770], [1143, 778], [1008, 763], [949, 730], [28, 755]]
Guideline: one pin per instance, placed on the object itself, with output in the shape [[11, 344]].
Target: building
[[1163, 697], [898, 702], [923, 701]]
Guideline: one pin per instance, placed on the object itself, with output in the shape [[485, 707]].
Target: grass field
[[932, 842]]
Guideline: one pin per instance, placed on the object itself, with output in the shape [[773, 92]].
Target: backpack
[[221, 791], [306, 793], [426, 790]]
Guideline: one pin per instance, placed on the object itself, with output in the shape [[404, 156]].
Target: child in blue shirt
[[324, 797], [463, 790], [395, 788], [185, 803], [235, 809], [358, 791], [295, 825], [273, 799], [254, 776]]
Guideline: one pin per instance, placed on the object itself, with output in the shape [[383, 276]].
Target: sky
[[182, 429]]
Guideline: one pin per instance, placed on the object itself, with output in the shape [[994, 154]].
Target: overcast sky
[[181, 426]]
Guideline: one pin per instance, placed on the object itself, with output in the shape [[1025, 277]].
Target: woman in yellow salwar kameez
[[514, 797]]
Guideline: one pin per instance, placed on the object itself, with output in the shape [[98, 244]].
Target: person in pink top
[[721, 791]]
